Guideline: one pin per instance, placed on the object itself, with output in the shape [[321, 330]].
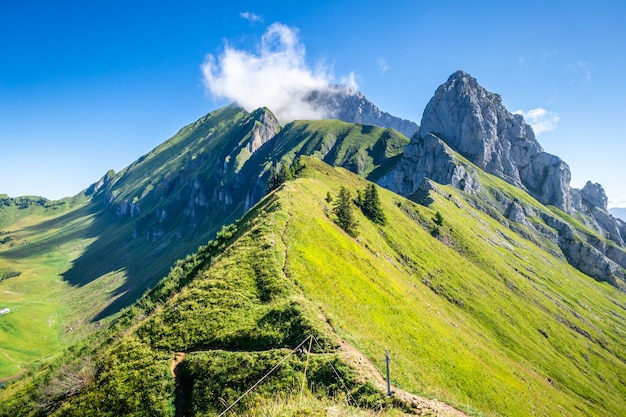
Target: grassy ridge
[[471, 313], [102, 256], [478, 316]]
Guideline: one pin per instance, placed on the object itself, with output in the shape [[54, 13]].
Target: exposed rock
[[593, 194], [428, 157], [349, 105], [475, 123], [464, 118], [515, 213]]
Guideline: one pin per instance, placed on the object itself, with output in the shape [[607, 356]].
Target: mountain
[[349, 105], [483, 284], [466, 130], [618, 212], [464, 319], [83, 262]]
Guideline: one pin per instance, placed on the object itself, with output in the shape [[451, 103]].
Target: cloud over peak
[[275, 76], [540, 119]]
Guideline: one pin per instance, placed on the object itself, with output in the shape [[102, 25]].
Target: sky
[[89, 86]]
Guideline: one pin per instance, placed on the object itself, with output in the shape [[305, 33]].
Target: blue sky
[[88, 86]]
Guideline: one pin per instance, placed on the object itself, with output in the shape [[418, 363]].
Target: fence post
[[387, 360]]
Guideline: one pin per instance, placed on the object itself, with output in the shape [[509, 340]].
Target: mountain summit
[[476, 124], [479, 281], [464, 122], [349, 105]]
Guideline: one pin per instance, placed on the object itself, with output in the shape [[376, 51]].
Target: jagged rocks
[[464, 118], [349, 105], [428, 157], [475, 123], [593, 194]]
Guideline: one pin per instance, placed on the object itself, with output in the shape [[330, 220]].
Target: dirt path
[[421, 406], [178, 358], [180, 401]]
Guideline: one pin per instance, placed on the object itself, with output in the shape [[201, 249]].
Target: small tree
[[343, 211], [438, 219], [371, 206], [285, 173]]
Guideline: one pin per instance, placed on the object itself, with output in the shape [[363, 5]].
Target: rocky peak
[[594, 195], [464, 118], [475, 123], [349, 105]]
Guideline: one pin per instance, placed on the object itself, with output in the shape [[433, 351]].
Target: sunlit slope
[[477, 316], [471, 314], [92, 261]]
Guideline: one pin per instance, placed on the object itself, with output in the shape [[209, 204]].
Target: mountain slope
[[99, 256], [466, 130], [471, 312]]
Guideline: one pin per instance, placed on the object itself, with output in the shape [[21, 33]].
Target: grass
[[464, 315], [38, 300], [472, 312], [474, 315]]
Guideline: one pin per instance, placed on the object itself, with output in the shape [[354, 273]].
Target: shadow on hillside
[[120, 245], [111, 250]]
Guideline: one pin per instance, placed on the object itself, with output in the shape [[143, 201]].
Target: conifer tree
[[371, 206], [343, 212]]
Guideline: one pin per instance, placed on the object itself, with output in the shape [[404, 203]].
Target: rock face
[[464, 119], [349, 105], [428, 157], [594, 195], [475, 123]]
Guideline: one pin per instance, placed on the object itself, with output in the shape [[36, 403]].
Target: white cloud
[[251, 17], [540, 119], [382, 64], [275, 76], [521, 60], [619, 202]]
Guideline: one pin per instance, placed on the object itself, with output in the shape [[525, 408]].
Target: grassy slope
[[42, 306], [478, 317], [486, 320], [230, 308], [80, 261]]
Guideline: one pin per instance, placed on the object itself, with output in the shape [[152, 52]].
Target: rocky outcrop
[[464, 119], [475, 123], [349, 105], [428, 157], [594, 195]]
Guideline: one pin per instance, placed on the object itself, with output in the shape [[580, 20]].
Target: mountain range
[[497, 285], [618, 212]]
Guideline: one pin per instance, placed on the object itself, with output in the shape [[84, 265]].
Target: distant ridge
[[619, 212]]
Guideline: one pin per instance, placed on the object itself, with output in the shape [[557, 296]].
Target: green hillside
[[68, 267], [472, 314]]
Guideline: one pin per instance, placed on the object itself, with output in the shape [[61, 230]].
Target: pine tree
[[343, 212], [371, 206]]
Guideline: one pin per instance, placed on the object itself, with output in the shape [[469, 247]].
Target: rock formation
[[349, 105], [475, 123], [464, 119]]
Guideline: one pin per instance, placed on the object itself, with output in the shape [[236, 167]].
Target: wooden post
[[387, 360]]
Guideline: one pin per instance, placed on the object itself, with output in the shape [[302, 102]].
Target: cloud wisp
[[540, 119], [251, 17], [275, 76], [383, 66]]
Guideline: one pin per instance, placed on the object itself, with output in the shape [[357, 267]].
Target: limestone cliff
[[463, 119], [349, 105]]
